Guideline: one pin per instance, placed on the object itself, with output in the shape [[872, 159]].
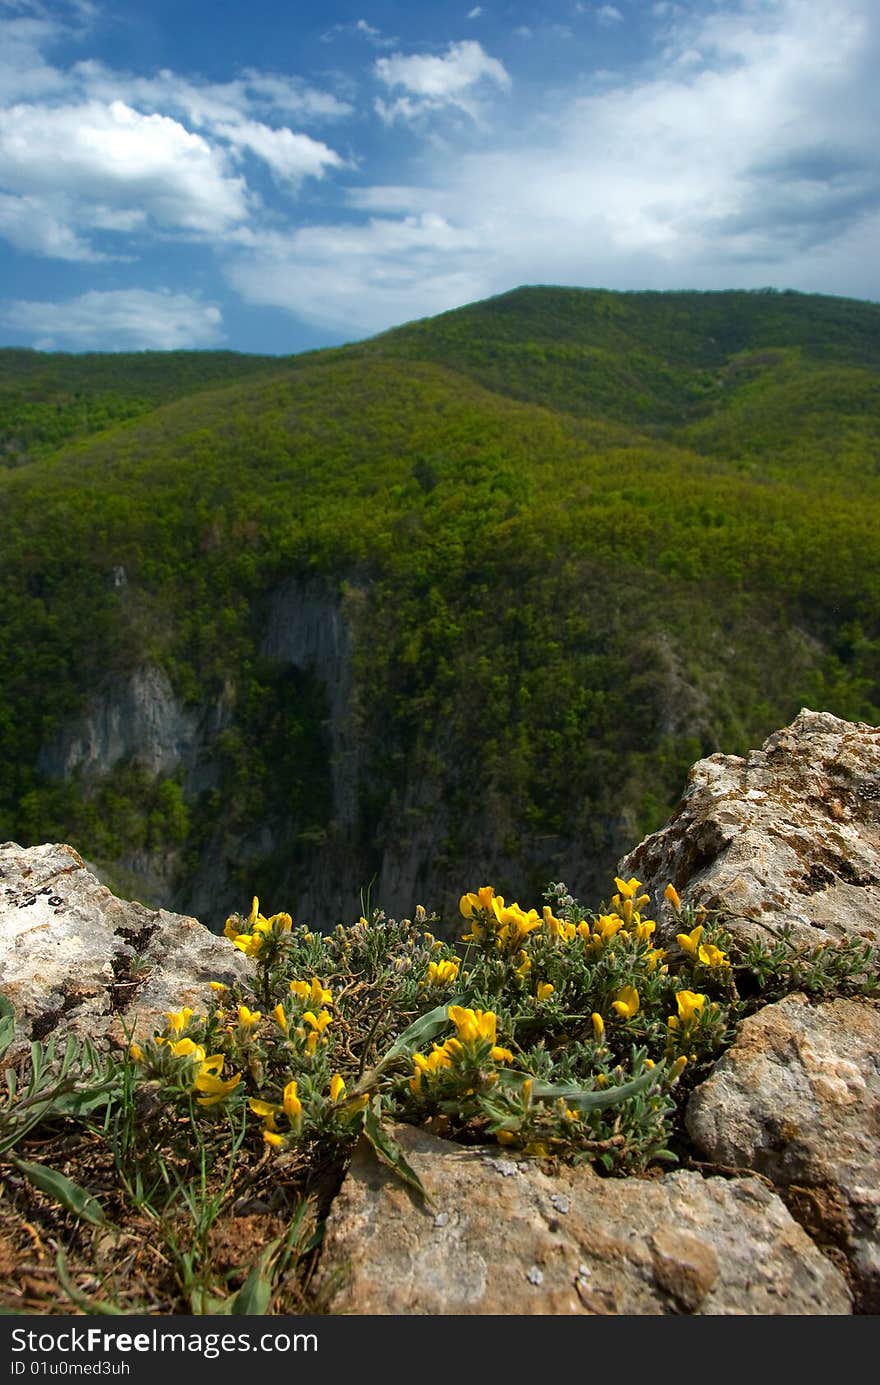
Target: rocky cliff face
[[306, 628], [389, 825], [138, 720], [779, 1212]]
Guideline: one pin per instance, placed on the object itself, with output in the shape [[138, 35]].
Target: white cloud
[[756, 164], [27, 223], [361, 29], [291, 157], [608, 15], [475, 12], [130, 319], [277, 92], [432, 83], [95, 150], [351, 278], [115, 156], [203, 104]]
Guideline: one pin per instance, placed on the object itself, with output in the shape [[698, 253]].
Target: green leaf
[[586, 1098], [387, 1149], [420, 1032], [255, 1294], [70, 1195]]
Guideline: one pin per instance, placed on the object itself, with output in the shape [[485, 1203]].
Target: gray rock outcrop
[[787, 835], [797, 1099], [504, 1236], [74, 959]]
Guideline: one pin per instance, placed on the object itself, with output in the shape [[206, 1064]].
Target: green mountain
[[456, 605]]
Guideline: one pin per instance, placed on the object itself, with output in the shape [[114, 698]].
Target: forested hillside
[[457, 605]]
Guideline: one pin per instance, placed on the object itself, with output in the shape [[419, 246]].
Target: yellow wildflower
[[473, 1025], [627, 888], [292, 1103], [677, 1068], [627, 1002], [272, 1138], [249, 943], [429, 1064], [627, 901], [544, 991], [606, 926], [317, 1022], [185, 1048], [179, 1019], [483, 899], [671, 894], [211, 1084], [283, 922], [266, 1110], [689, 1003], [442, 973], [690, 942], [712, 956], [218, 986], [524, 964], [557, 928], [248, 1018], [337, 1087], [280, 1018], [505, 1137], [501, 1055], [312, 992], [598, 1027]]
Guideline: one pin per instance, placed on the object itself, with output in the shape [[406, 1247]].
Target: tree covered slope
[[457, 605]]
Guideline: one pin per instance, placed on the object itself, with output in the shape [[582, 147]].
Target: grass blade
[[88, 1305]]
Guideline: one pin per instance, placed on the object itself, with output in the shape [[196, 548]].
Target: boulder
[[797, 1098], [74, 959], [511, 1236], [786, 835]]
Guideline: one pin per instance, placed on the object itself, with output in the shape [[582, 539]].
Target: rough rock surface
[[75, 959], [797, 1098], [503, 1236], [787, 835]]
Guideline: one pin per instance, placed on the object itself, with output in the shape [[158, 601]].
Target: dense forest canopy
[[577, 539]]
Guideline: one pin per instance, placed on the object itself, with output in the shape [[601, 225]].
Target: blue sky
[[275, 176]]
